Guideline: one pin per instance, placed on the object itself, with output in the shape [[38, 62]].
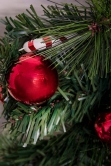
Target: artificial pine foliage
[[60, 132]]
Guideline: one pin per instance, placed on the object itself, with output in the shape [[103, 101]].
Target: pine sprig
[[75, 98], [93, 23], [84, 65], [71, 103], [75, 147]]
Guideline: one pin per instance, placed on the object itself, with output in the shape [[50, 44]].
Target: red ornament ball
[[1, 95], [32, 79], [103, 126]]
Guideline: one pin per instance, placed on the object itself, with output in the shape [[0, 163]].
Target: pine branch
[[75, 147], [83, 63], [92, 23], [76, 93]]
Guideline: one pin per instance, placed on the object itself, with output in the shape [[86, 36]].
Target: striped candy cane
[[43, 43]]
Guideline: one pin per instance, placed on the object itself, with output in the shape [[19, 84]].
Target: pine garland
[[84, 65]]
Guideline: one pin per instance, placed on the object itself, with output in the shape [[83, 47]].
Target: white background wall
[[14, 7]]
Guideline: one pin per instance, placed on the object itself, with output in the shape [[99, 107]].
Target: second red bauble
[[1, 95], [103, 126], [32, 79]]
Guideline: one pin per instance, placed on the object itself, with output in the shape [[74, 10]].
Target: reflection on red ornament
[[32, 79], [103, 126], [1, 95]]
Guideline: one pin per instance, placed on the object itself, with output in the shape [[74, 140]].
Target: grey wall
[[14, 7]]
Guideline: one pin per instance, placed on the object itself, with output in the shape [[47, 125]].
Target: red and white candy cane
[[43, 43]]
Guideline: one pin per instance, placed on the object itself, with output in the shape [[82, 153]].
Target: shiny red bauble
[[1, 95], [32, 79], [103, 126]]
